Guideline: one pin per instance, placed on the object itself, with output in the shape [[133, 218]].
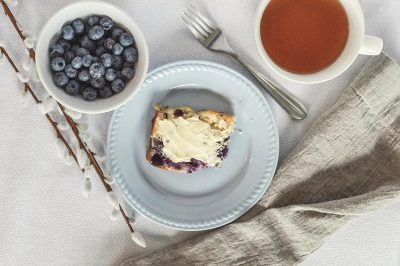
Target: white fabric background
[[44, 220]]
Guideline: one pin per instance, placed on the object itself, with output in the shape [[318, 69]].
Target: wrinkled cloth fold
[[347, 165]]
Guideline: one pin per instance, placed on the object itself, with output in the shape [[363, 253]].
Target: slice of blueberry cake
[[185, 141]]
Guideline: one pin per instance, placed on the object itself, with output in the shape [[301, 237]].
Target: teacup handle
[[371, 45]]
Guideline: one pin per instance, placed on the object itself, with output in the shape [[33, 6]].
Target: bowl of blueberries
[[91, 57]]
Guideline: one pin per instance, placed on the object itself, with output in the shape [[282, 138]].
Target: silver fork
[[208, 33]]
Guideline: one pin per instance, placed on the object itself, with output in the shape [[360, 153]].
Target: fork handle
[[293, 106]]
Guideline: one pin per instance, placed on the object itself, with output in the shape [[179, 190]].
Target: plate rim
[[190, 225]]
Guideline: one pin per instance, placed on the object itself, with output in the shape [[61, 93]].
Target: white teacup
[[357, 43]]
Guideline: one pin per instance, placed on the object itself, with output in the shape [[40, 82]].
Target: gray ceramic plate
[[209, 198]]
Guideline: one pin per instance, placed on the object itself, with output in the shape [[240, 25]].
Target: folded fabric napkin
[[347, 165]]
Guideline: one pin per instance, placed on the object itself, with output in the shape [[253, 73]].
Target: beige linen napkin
[[347, 165]]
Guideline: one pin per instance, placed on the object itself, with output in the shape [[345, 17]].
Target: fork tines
[[200, 26]]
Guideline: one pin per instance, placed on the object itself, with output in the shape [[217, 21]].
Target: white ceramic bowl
[[52, 30]]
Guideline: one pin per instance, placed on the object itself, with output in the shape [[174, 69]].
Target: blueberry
[[78, 26], [106, 22], [87, 43], [60, 79], [116, 33], [96, 32], [65, 44], [68, 56], [105, 92], [87, 27], [87, 60], [127, 64], [82, 52], [127, 73], [76, 40], [75, 48], [57, 63], [96, 59], [56, 50], [117, 49], [118, 75], [82, 86], [126, 39], [106, 60], [72, 88], [89, 94], [93, 20], [98, 83], [109, 43], [178, 112], [77, 62], [71, 71], [97, 70], [131, 55], [100, 42], [84, 75], [100, 51], [118, 85], [111, 74], [67, 32], [117, 62]]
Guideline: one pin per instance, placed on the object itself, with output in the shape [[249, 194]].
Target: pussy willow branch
[[37, 101], [70, 121], [9, 14]]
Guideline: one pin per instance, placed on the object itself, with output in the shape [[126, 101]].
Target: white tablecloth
[[44, 220]]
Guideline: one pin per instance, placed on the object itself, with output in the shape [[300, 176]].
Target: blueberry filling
[[159, 159], [195, 165], [223, 152]]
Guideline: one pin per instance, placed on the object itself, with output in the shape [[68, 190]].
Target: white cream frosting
[[184, 139]]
